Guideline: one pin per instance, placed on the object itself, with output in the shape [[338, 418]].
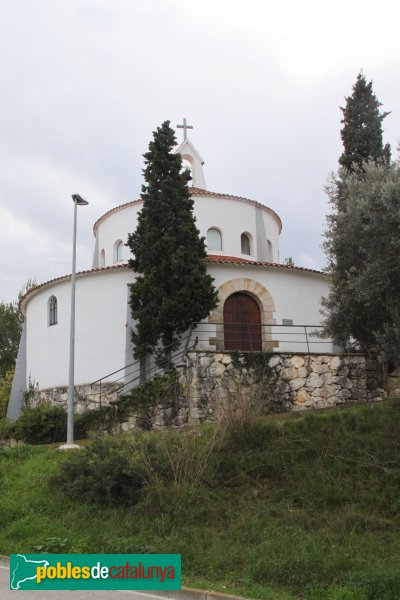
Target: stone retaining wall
[[213, 381], [87, 397], [299, 381]]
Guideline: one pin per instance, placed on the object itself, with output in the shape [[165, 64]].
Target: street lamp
[[78, 201]]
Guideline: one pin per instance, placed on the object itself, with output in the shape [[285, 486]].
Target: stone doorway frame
[[264, 300]]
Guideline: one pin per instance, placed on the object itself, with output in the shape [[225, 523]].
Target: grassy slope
[[306, 507]]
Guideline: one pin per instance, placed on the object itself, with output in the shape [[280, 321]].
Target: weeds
[[306, 507], [251, 394]]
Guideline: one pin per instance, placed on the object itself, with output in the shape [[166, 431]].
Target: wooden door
[[242, 323]]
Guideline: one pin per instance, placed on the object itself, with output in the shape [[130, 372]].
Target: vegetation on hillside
[[304, 508], [5, 390], [10, 333]]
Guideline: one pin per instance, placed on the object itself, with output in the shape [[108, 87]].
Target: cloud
[[85, 82]]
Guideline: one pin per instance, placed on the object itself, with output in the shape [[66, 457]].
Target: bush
[[114, 470], [159, 390], [7, 429], [190, 457], [5, 390], [41, 425], [108, 472]]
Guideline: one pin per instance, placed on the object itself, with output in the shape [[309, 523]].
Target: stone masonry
[[211, 380], [87, 397], [300, 381]]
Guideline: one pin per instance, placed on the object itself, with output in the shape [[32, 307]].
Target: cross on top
[[185, 128]]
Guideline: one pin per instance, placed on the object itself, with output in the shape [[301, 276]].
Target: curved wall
[[100, 329], [115, 226], [102, 339], [232, 216], [294, 295]]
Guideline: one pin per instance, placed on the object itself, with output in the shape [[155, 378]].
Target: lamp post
[[78, 201]]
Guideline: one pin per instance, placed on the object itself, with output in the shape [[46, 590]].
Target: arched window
[[214, 239], [245, 243], [52, 311], [102, 258], [118, 251]]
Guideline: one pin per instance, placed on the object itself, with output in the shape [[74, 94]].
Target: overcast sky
[[84, 83]]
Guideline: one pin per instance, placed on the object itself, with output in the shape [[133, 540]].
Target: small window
[[52, 311], [102, 258], [118, 251], [214, 239], [245, 243]]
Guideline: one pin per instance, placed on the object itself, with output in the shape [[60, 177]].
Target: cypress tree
[[361, 241], [172, 288], [362, 127]]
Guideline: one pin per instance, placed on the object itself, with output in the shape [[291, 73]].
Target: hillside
[[305, 507]]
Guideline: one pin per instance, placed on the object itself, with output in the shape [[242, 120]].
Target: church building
[[263, 305]]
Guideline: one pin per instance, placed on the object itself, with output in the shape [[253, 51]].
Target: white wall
[[101, 308], [232, 216], [101, 314], [115, 227], [296, 295]]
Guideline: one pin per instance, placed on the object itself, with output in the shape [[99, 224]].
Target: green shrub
[[97, 419], [159, 390], [7, 429], [5, 390], [42, 424], [108, 472], [114, 470]]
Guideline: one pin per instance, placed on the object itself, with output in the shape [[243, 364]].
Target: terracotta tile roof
[[211, 258], [234, 260], [193, 192], [65, 277], [113, 210]]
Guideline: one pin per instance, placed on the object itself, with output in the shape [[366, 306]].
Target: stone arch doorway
[[242, 323], [262, 297]]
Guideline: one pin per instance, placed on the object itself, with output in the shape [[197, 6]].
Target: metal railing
[[206, 336], [141, 370], [261, 337]]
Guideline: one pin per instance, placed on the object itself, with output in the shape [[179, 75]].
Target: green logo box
[[95, 572]]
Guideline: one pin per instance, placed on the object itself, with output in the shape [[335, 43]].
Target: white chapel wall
[[100, 329], [115, 227], [234, 217], [296, 296], [229, 215]]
